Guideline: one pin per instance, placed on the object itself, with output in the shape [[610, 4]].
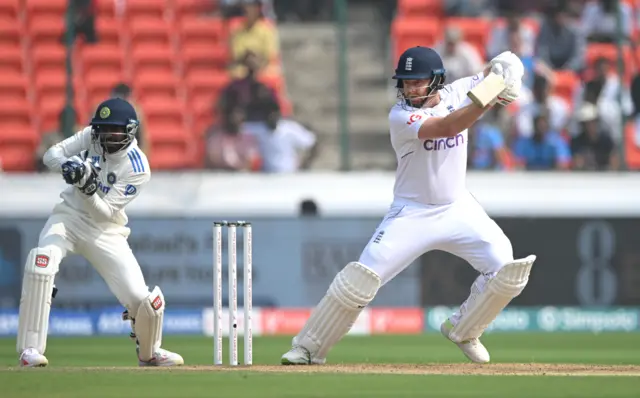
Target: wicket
[[233, 291]]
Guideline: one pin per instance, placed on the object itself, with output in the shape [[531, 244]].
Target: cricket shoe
[[31, 358], [163, 358], [472, 348], [298, 355]]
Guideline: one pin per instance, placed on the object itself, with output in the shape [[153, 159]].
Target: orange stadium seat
[[10, 61], [46, 8], [172, 146], [47, 31], [426, 8], [108, 31], [9, 10], [191, 8], [163, 111], [10, 33], [99, 86], [411, 32], [610, 52], [150, 31], [172, 155], [49, 112], [12, 154], [147, 8], [50, 86], [632, 151], [106, 9], [159, 86], [474, 30], [102, 59], [49, 58], [199, 58], [203, 114], [566, 83], [203, 31], [153, 60], [13, 86], [206, 86], [17, 135], [16, 112]]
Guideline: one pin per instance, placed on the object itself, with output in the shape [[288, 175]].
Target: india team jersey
[[432, 171], [120, 178]]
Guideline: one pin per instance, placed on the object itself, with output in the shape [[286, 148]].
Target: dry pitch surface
[[457, 369]]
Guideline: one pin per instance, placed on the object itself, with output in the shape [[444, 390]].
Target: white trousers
[[461, 228], [107, 250]]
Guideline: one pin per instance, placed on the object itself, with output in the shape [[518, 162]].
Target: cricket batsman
[[105, 170], [431, 210]]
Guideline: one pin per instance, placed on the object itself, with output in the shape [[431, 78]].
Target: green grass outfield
[[524, 365]]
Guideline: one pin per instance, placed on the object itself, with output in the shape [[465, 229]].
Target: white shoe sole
[[446, 327]]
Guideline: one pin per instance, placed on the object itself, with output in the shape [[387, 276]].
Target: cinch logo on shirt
[[444, 143]]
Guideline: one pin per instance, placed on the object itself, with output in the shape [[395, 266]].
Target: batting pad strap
[[351, 290], [35, 302], [148, 324], [485, 304]]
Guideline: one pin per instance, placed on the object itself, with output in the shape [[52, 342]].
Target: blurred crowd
[[252, 133], [582, 128], [248, 125], [593, 124]]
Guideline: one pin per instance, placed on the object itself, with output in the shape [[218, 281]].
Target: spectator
[[603, 90], [593, 149], [305, 10], [257, 35], [635, 96], [234, 8], [487, 144], [600, 22], [280, 141], [532, 65], [122, 90], [501, 39], [470, 8], [67, 126], [559, 45], [461, 58], [541, 101], [545, 150], [228, 147], [248, 93], [84, 20]]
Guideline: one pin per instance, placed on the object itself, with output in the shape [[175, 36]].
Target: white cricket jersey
[[433, 171], [121, 176]]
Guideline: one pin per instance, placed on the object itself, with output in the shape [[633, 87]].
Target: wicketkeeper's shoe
[[31, 358], [163, 357], [472, 348]]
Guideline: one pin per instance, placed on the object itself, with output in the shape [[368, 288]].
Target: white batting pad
[[351, 290], [35, 302], [484, 305], [148, 324]]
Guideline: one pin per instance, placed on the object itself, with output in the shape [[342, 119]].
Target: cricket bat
[[487, 90]]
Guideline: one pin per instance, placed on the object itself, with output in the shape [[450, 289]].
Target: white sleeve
[[60, 152], [405, 124], [301, 136], [462, 86], [118, 197]]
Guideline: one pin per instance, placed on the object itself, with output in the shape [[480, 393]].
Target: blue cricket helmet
[[418, 63], [111, 114], [114, 112]]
